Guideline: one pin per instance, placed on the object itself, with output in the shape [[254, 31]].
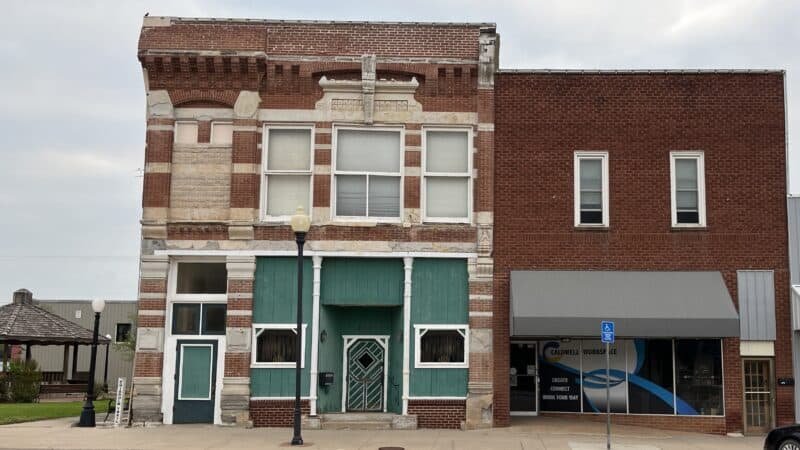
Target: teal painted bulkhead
[[362, 282], [439, 295], [361, 296], [275, 301]]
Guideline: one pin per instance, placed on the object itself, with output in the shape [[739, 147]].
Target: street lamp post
[[105, 368], [300, 223], [87, 415]]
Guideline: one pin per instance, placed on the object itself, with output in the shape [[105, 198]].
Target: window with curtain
[[275, 345], [287, 170], [441, 346], [447, 175], [591, 189], [185, 132], [367, 173], [688, 196]]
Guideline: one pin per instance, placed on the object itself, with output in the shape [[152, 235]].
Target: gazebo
[[24, 323]]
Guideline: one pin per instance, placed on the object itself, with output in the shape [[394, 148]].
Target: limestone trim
[[154, 267], [240, 267]]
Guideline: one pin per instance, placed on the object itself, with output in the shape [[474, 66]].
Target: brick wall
[[713, 425], [438, 413], [315, 38], [737, 120], [275, 413]]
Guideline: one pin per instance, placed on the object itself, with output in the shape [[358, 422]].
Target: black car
[[783, 438]]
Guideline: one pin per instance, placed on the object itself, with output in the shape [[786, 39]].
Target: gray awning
[[642, 304]]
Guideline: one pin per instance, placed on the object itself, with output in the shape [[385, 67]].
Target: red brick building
[[585, 182], [469, 230], [381, 131]]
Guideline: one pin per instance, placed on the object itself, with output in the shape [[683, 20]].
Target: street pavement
[[535, 433]]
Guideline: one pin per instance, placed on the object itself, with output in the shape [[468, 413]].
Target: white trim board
[[334, 254]]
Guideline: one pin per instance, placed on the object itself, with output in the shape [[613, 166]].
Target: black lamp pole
[[300, 238], [87, 415], [105, 367]]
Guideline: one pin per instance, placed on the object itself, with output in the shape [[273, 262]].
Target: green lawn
[[28, 412]]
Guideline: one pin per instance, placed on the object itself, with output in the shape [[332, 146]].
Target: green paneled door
[[365, 367], [194, 382]]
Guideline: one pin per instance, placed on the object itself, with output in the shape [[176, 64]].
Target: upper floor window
[[447, 172], [367, 177], [221, 133], [186, 132], [688, 189], [591, 189], [287, 170]]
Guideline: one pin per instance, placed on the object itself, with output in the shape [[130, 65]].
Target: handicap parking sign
[[607, 332]]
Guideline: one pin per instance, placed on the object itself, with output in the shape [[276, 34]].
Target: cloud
[[73, 123]]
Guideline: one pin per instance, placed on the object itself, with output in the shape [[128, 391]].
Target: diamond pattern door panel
[[365, 360]]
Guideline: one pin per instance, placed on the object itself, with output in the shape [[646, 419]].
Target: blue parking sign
[[607, 332]]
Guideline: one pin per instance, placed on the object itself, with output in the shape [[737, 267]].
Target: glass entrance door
[[758, 395], [524, 378]]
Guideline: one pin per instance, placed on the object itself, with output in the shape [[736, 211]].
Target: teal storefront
[[375, 317]]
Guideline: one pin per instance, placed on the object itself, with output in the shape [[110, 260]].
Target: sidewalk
[[529, 434]]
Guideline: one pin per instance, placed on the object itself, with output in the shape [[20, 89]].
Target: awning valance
[[642, 304]]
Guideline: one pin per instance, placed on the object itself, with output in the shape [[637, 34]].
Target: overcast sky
[[73, 125]]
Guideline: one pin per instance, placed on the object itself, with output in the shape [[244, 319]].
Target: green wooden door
[[365, 366], [195, 378]]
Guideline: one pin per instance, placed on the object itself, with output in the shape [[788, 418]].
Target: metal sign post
[[607, 337], [120, 399]]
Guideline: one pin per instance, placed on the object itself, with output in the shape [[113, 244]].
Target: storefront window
[[594, 377], [650, 377], [698, 368], [645, 376]]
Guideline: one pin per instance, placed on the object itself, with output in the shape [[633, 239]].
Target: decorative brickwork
[[275, 413], [438, 413]]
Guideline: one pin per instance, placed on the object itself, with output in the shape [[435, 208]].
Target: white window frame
[[603, 157], [468, 174], [211, 135], [421, 329], [265, 173], [172, 283], [277, 365], [335, 172], [175, 132], [699, 156]]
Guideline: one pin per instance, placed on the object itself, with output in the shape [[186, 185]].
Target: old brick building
[[470, 228], [384, 133]]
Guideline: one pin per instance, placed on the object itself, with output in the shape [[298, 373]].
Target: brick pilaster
[[149, 360], [235, 399]]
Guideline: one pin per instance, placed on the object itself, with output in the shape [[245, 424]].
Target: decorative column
[[246, 166], [314, 335], [157, 164], [484, 356], [149, 362], [235, 400], [408, 264]]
